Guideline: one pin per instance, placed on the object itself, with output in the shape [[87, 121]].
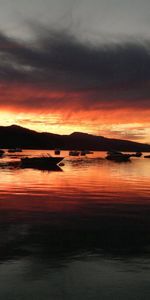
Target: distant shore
[[18, 137]]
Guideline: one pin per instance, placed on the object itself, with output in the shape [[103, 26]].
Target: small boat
[[84, 152], [57, 151], [74, 153], [13, 150], [2, 153], [88, 152], [42, 162], [117, 156], [137, 154]]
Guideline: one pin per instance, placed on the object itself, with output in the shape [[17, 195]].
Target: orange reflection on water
[[88, 182]]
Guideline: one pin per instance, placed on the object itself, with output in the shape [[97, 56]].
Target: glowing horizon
[[54, 124]]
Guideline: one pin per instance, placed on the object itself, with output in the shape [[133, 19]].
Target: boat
[[147, 156], [57, 151], [2, 153], [88, 152], [137, 154], [84, 152], [13, 150], [42, 162], [117, 156], [74, 153]]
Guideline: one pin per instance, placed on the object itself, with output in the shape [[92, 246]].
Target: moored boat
[[88, 152], [137, 154], [74, 153], [2, 153], [57, 151], [84, 152], [43, 162], [117, 156], [13, 150]]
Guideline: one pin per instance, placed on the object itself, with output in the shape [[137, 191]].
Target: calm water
[[82, 232]]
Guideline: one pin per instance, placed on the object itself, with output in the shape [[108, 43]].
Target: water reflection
[[81, 233]]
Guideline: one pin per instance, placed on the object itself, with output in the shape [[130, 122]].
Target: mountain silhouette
[[15, 136]]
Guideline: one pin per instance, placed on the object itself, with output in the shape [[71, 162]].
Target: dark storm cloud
[[92, 75]]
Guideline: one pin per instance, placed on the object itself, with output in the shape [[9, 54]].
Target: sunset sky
[[76, 65]]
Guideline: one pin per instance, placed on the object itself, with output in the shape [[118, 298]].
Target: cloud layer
[[58, 70]]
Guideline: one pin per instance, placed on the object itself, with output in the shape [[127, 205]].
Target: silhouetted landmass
[[16, 136]]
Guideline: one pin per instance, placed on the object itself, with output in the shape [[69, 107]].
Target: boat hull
[[41, 162]]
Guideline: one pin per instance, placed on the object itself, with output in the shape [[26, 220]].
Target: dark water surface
[[82, 232]]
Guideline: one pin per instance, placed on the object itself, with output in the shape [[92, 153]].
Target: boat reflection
[[53, 168]]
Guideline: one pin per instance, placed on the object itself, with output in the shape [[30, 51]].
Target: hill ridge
[[17, 136]]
